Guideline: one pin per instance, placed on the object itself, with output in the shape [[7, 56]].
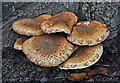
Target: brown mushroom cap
[[42, 18], [83, 57], [19, 42], [30, 26], [88, 33], [47, 50], [61, 22]]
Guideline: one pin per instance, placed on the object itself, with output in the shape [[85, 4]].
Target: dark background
[[15, 65]]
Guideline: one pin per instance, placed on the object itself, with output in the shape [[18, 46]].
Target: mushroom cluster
[[61, 40]]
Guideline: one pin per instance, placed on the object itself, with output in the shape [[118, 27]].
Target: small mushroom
[[61, 22], [19, 42], [30, 26], [48, 50], [83, 57], [88, 33]]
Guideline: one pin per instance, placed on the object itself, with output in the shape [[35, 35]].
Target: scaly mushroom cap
[[19, 42], [30, 26], [61, 22], [48, 50], [88, 33], [83, 57], [42, 18]]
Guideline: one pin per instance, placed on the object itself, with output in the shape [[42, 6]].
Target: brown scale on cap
[[83, 57], [30, 26], [48, 50], [88, 33], [42, 18], [61, 22], [19, 42]]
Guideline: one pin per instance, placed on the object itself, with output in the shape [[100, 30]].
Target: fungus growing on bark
[[48, 50], [30, 26], [88, 33], [83, 57], [62, 22]]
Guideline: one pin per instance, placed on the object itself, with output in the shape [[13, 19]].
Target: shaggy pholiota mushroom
[[48, 50], [30, 26], [54, 49], [88, 33], [19, 42], [61, 22], [83, 57]]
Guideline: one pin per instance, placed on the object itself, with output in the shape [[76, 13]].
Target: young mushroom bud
[[19, 42]]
